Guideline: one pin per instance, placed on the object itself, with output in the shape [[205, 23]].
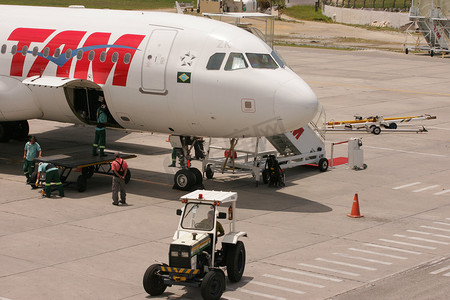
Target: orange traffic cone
[[355, 208]]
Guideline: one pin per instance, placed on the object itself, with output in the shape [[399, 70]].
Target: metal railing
[[374, 4]]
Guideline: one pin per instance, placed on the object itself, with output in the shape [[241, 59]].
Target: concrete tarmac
[[301, 243]]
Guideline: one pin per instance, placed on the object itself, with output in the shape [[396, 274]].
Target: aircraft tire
[[198, 175], [20, 130], [128, 177], [183, 180]]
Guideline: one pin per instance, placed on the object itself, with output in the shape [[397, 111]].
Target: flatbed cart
[[87, 164], [373, 124]]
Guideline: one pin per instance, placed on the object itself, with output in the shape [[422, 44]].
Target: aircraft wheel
[[184, 180], [236, 261], [81, 183], [209, 172], [198, 175], [153, 283], [4, 132], [213, 285], [323, 164], [128, 176], [20, 130]]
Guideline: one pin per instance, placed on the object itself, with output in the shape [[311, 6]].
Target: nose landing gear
[[188, 178]]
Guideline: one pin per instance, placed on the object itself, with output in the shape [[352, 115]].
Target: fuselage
[[158, 72]]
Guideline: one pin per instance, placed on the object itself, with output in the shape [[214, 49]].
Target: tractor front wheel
[[153, 283], [213, 285]]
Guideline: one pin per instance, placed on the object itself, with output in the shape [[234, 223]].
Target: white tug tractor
[[194, 259]]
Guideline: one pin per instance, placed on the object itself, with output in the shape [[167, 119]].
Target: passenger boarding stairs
[[305, 145], [435, 27]]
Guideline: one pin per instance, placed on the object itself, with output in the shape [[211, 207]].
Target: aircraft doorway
[[84, 102]]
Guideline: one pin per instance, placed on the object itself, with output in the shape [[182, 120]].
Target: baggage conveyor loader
[[373, 124]]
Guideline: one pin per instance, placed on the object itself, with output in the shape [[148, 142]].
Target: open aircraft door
[[155, 61]]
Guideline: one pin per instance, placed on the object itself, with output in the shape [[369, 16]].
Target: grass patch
[[113, 4], [306, 13]]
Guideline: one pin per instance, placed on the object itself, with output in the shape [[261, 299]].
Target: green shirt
[[102, 118], [32, 150], [43, 166]]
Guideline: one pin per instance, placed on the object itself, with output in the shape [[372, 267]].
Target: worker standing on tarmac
[[51, 175], [120, 169], [100, 130], [31, 151]]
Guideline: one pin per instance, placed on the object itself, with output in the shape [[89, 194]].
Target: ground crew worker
[[100, 130], [208, 223], [51, 175], [120, 169], [31, 151]]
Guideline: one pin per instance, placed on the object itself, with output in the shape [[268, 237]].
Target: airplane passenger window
[[79, 54], [57, 53], [91, 55], [3, 48], [14, 49], [46, 51], [68, 53], [215, 61], [35, 51], [103, 56], [115, 57], [127, 58], [236, 61], [261, 61], [24, 50]]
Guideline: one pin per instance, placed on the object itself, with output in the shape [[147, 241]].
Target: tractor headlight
[[185, 254], [174, 253]]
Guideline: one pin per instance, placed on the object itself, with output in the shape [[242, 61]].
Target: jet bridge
[[431, 18]]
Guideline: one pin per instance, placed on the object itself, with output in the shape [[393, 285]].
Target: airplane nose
[[295, 104]]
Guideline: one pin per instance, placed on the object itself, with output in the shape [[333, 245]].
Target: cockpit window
[[215, 61], [261, 61], [236, 61], [278, 59]]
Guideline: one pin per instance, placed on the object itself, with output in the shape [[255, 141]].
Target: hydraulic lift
[[82, 162]]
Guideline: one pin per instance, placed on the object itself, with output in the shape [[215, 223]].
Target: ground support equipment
[[87, 164]]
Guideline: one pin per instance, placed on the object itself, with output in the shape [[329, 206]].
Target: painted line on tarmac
[[406, 185], [405, 151], [421, 239], [260, 294], [329, 269], [377, 253], [407, 244], [426, 188], [346, 264], [435, 228], [440, 270], [363, 259], [442, 193], [393, 248], [379, 89], [276, 287], [294, 281], [3, 298], [312, 275], [442, 223], [429, 233], [148, 181]]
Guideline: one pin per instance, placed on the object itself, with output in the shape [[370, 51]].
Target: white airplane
[[159, 72]]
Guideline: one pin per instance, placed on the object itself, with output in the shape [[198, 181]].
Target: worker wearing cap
[[100, 130], [120, 170], [51, 175], [31, 151]]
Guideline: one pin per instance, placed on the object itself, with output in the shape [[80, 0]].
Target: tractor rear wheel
[[235, 261], [153, 283]]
